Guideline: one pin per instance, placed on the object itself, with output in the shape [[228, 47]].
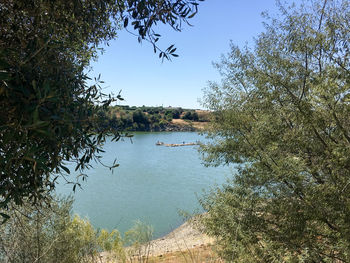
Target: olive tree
[[281, 116], [49, 113]]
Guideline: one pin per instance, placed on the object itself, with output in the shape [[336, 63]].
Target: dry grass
[[184, 244], [196, 124], [180, 122], [204, 253], [200, 125]]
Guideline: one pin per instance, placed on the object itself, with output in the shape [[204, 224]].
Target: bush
[[49, 234], [190, 115], [139, 238]]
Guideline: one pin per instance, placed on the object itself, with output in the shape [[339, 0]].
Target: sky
[[143, 79]]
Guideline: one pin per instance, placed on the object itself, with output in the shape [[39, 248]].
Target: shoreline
[[184, 238], [177, 125]]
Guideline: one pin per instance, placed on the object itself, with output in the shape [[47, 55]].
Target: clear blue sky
[[145, 80]]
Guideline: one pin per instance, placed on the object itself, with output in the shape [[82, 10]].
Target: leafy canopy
[[49, 113], [282, 116]]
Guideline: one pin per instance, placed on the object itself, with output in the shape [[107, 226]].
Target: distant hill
[[132, 118]]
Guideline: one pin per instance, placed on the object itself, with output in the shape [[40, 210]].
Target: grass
[[194, 255]]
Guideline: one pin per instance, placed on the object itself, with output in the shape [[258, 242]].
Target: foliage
[[112, 243], [139, 239], [190, 115], [50, 114], [147, 14], [49, 234], [141, 118], [144, 118], [281, 115]]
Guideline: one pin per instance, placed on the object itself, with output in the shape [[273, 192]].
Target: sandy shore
[[182, 238]]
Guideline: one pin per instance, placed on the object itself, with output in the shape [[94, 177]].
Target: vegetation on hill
[[126, 118], [282, 117]]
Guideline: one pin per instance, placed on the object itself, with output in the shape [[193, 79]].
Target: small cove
[[152, 184]]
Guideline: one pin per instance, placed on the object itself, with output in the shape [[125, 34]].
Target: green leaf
[[192, 15], [126, 21], [65, 169]]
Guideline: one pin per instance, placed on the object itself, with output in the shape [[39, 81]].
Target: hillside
[[127, 118]]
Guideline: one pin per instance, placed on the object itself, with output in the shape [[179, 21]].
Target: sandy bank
[[182, 238]]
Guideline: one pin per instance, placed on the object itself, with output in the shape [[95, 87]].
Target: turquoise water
[[151, 184]]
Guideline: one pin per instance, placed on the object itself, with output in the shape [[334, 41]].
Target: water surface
[[151, 184]]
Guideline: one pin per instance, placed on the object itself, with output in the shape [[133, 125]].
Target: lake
[[152, 184]]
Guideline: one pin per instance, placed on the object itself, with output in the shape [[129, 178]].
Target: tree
[[176, 113], [140, 117], [139, 239], [49, 112], [281, 116], [190, 115], [49, 233], [195, 116], [187, 115]]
